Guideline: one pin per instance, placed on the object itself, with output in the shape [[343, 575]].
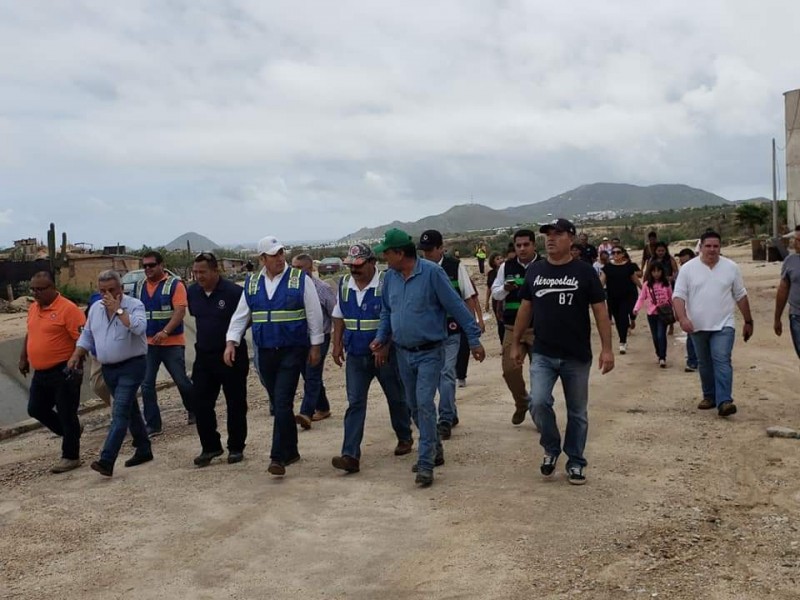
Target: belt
[[122, 363], [421, 347]]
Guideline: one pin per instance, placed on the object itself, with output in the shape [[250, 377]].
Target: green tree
[[751, 215]]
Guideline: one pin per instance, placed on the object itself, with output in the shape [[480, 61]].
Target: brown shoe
[[303, 421], [519, 416], [706, 403], [346, 463], [65, 464], [726, 409], [403, 447], [276, 468], [320, 414]]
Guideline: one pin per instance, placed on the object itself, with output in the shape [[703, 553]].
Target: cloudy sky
[[136, 121]]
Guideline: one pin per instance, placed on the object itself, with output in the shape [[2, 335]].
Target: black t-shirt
[[618, 279], [588, 254], [561, 296]]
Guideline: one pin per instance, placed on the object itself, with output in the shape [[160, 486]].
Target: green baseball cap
[[393, 238]]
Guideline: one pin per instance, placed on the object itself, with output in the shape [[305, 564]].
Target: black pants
[[51, 389], [209, 374], [281, 368], [481, 262], [620, 310], [462, 362]]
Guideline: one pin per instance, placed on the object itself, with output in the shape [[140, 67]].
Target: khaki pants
[[96, 380], [512, 372]]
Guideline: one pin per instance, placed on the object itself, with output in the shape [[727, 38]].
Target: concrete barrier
[[14, 387]]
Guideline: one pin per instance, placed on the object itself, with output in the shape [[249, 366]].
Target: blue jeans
[[123, 381], [281, 368], [691, 354], [658, 329], [448, 412], [174, 360], [574, 376], [314, 396], [360, 371], [420, 373], [714, 349], [794, 328]]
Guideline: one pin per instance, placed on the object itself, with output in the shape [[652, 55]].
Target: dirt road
[[680, 503]]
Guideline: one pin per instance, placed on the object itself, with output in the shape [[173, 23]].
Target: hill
[[596, 197], [197, 242]]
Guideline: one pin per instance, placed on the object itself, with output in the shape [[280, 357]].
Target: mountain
[[197, 242], [596, 197]]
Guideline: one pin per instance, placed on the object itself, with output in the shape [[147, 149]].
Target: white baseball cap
[[269, 245]]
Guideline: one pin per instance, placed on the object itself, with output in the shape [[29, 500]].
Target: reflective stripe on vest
[[345, 294], [292, 284], [362, 324], [278, 316], [166, 291]]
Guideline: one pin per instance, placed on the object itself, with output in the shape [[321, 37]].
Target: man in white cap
[[286, 314]]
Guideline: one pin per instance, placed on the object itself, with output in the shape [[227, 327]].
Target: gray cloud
[[136, 121]]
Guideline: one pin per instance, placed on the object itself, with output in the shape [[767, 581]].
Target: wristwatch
[[120, 310]]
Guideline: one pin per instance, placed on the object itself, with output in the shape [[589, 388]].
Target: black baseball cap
[[563, 225], [430, 239]]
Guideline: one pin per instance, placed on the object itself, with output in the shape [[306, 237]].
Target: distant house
[[81, 270]]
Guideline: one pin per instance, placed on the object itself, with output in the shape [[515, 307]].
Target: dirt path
[[679, 504]]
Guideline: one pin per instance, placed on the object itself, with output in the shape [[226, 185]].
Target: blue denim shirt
[[415, 310]]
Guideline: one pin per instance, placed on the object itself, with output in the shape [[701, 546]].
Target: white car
[[132, 278]]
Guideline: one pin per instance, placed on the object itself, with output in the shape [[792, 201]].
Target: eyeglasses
[[616, 252], [149, 265]]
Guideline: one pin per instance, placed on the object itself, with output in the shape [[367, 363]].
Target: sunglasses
[[37, 290], [205, 256], [616, 252], [149, 265]]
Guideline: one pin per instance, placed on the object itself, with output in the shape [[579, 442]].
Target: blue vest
[[158, 307], [360, 322], [281, 321]]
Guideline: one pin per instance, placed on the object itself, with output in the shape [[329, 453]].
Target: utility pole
[[774, 192]]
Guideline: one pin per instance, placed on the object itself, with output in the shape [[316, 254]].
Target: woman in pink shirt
[[656, 292]]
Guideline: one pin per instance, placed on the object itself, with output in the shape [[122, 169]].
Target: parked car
[[132, 278], [329, 266]]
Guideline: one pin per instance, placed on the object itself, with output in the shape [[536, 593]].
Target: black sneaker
[[139, 459], [204, 459], [424, 478], [445, 430], [235, 457], [438, 460], [689, 369], [103, 468], [548, 465], [575, 475]]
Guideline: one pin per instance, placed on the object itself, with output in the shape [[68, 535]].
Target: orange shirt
[[178, 299], [52, 332]]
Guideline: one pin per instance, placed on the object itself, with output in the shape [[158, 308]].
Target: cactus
[[57, 260]]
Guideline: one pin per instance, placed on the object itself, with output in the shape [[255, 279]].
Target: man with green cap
[[417, 297]]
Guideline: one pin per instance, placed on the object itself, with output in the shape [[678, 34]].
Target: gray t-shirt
[[790, 271]]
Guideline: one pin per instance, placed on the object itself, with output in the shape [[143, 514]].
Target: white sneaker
[[623, 348], [461, 382], [662, 363]]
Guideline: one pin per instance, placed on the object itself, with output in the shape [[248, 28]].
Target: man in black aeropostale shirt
[[212, 302], [557, 295]]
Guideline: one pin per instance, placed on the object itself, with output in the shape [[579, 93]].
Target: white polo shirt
[[710, 294]]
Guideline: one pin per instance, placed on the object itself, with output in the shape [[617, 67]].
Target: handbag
[[664, 311]]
